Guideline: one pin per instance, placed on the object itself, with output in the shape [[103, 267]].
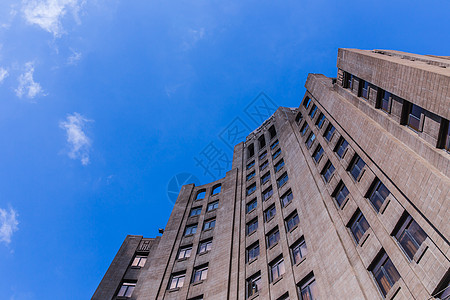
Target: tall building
[[345, 197]]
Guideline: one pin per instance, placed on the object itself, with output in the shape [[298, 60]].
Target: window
[[251, 205], [310, 140], [216, 189], [250, 175], [313, 111], [196, 298], [251, 150], [253, 252], [270, 213], [292, 221], [298, 117], [304, 128], [252, 226], [384, 272], [306, 102], [273, 237], [200, 195], [348, 80], [191, 229], [282, 180], [264, 165], [446, 138], [276, 154], [279, 165], [277, 269], [185, 252], [272, 132], [384, 102], [212, 206], [267, 193], [209, 224], [176, 281], [409, 235], [253, 284], [364, 89], [356, 167], [200, 273], [263, 155], [126, 290], [329, 132], [341, 193], [328, 171], [262, 141], [299, 250], [205, 246], [341, 147], [274, 144], [358, 226], [415, 113], [250, 164], [320, 120], [139, 261], [317, 155], [308, 289], [286, 198], [195, 211], [265, 178], [284, 296], [251, 189], [378, 194]]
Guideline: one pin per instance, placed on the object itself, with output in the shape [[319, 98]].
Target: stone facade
[[351, 191]]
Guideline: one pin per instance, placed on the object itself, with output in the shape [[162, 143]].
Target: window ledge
[[252, 210], [384, 205], [251, 233], [287, 204], [135, 267], [267, 198], [301, 260], [182, 259], [393, 291], [271, 218], [276, 171], [273, 246], [214, 209], [251, 193], [203, 253], [252, 260], [279, 187], [173, 290], [293, 228], [197, 282], [278, 279], [253, 296], [209, 229], [189, 235], [420, 253], [364, 238]]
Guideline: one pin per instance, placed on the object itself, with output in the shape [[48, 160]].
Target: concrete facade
[[359, 181]]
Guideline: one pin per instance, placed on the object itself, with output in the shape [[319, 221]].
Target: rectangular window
[[358, 226], [251, 189], [341, 193], [205, 246], [273, 237], [274, 144], [364, 89], [341, 147], [308, 290], [263, 155], [253, 252], [250, 164], [286, 198], [139, 261], [409, 235], [282, 180], [191, 229], [328, 171], [212, 206], [270, 213], [200, 273], [415, 114], [298, 118], [446, 137], [356, 167], [185, 252], [306, 102], [252, 226], [276, 154], [317, 155], [126, 290], [313, 111], [279, 165], [209, 224], [262, 142], [251, 150], [251, 205], [304, 128], [310, 140], [292, 221], [320, 120], [195, 211], [277, 269], [272, 132], [384, 272], [265, 178], [267, 193], [348, 83], [385, 101], [253, 284], [177, 281], [378, 194], [264, 165], [299, 250], [329, 132], [250, 175]]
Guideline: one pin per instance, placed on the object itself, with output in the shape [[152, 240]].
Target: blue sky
[[103, 103]]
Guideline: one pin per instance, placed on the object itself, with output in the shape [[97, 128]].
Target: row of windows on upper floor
[[261, 142], [263, 155], [264, 178], [216, 189], [268, 192], [411, 115]]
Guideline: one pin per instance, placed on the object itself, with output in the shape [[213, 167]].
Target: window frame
[[205, 246], [279, 165], [304, 128], [251, 250], [203, 273], [276, 154], [268, 190], [265, 178], [192, 231], [276, 268], [313, 111], [319, 151], [326, 173], [356, 169], [292, 221], [282, 180], [195, 210], [378, 266], [207, 224], [306, 102], [251, 189], [403, 229], [250, 175], [286, 196], [320, 120], [177, 277], [275, 232], [339, 192], [251, 224], [374, 192], [341, 147], [270, 213], [186, 250], [356, 225], [252, 282], [329, 132], [214, 205], [300, 248], [274, 144], [308, 285], [249, 204], [310, 140]]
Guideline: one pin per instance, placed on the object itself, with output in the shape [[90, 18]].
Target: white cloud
[[3, 74], [8, 224], [77, 139], [192, 37], [76, 56], [27, 85], [48, 13]]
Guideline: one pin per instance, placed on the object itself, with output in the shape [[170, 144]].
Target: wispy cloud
[[27, 85], [74, 57], [48, 13], [8, 224], [192, 37], [77, 140], [3, 74]]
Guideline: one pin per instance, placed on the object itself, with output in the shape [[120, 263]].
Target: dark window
[[310, 140], [273, 237], [253, 284], [253, 252], [384, 272], [409, 235], [276, 268], [279, 165], [126, 290], [267, 193], [139, 261], [341, 193], [304, 128], [251, 189], [275, 155], [265, 178], [250, 175], [378, 194], [212, 206], [274, 144], [195, 211], [447, 138], [282, 180], [329, 132], [443, 290], [348, 82], [306, 102], [196, 298], [251, 205], [185, 252], [191, 229], [284, 297], [270, 213], [209, 224], [299, 117], [299, 250], [320, 120], [251, 164], [272, 132], [205, 246], [341, 147], [318, 153], [262, 142], [287, 198], [264, 165], [292, 221], [358, 226], [308, 290], [384, 101], [200, 195], [216, 189], [313, 111], [364, 89], [414, 116], [251, 150], [200, 273], [327, 171], [176, 281], [263, 155], [252, 226], [356, 167]]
